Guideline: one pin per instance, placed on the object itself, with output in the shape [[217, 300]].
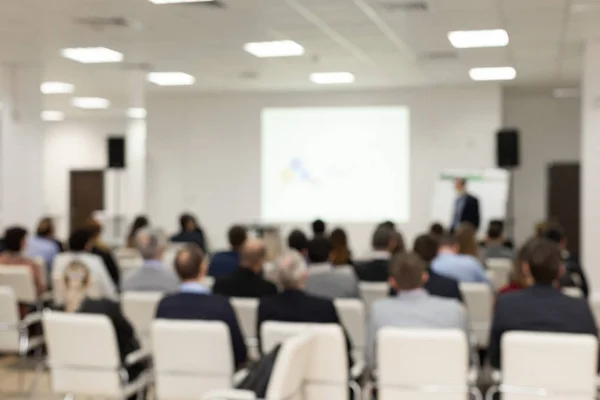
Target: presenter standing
[[466, 206]]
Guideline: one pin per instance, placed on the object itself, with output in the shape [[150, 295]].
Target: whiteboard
[[490, 186]]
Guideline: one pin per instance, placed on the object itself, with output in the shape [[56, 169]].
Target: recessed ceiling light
[[567, 93], [329, 78], [171, 78], [137, 113], [57, 87], [179, 1], [90, 103], [92, 55], [493, 74], [52, 116], [281, 48], [485, 38]]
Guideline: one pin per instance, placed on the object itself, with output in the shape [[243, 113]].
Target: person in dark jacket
[[190, 232], [384, 242], [466, 207], [247, 280], [98, 248], [225, 262], [319, 246], [195, 302]]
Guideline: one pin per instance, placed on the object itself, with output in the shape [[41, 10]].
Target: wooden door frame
[[70, 189]]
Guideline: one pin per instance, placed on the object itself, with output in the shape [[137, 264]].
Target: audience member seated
[[520, 278], [436, 230], [77, 281], [467, 242], [495, 244], [298, 241], [293, 304], [383, 243], [226, 262], [541, 307], [195, 302], [574, 275], [43, 244], [319, 246], [461, 267], [101, 250], [412, 307], [339, 253], [247, 279], [15, 241], [80, 245], [154, 275], [141, 221], [190, 232]]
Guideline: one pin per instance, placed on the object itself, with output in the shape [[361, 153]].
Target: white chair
[[352, 316], [553, 366], [20, 279], [573, 292], [14, 331], [140, 310], [288, 378], [42, 268], [423, 364], [191, 358], [373, 291], [594, 301], [83, 357], [500, 269], [327, 376], [479, 300], [246, 311]]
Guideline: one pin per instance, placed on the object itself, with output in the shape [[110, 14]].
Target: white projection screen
[[344, 164]]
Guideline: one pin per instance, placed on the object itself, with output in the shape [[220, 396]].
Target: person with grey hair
[[153, 276], [385, 243], [293, 304]]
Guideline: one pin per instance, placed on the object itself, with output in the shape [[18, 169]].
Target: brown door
[[563, 200], [87, 195]]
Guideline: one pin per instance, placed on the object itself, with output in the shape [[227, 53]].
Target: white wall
[[550, 132], [204, 151]]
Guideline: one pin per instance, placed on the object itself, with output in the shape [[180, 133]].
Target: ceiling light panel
[[331, 78], [90, 103], [52, 116], [57, 87], [171, 78], [92, 55], [474, 39], [281, 48], [493, 74]]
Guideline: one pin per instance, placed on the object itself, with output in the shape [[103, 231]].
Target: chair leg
[[489, 395]]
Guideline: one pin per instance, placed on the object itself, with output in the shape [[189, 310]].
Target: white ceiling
[[382, 47]]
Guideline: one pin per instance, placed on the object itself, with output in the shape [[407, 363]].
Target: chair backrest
[[20, 279], [500, 269], [288, 378], [573, 292], [594, 300], [9, 320], [246, 310], [191, 358], [410, 364], [479, 300], [373, 291], [531, 363], [83, 354], [140, 310], [327, 375], [40, 263], [352, 316]]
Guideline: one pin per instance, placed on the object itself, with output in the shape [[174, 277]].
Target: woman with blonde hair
[[467, 242], [77, 281]]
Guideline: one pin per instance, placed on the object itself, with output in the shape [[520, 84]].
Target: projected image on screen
[[346, 164]]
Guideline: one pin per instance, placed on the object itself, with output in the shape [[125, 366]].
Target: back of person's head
[[151, 243], [540, 228], [436, 229], [76, 279], [388, 224], [318, 227], [291, 270], [555, 232], [189, 263], [93, 227], [237, 235], [298, 241], [520, 274], [187, 222], [407, 272], [544, 261], [80, 240], [426, 247], [141, 221], [253, 254], [340, 253], [14, 238], [449, 242], [383, 238], [467, 242], [495, 230], [45, 228]]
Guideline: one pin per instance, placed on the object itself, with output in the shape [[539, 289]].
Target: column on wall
[[21, 145], [590, 163]]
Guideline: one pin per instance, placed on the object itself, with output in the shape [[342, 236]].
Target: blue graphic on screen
[[296, 171]]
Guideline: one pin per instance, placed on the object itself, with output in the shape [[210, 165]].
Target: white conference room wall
[[204, 150]]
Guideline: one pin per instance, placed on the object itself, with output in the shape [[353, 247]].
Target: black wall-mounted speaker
[[116, 152], [507, 148]]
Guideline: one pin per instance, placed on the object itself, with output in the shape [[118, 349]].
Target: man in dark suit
[[542, 307], [247, 279], [195, 302], [225, 262], [293, 304], [319, 246], [466, 206], [376, 270]]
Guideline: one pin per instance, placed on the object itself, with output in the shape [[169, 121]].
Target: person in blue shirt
[[225, 262], [461, 267], [43, 244]]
